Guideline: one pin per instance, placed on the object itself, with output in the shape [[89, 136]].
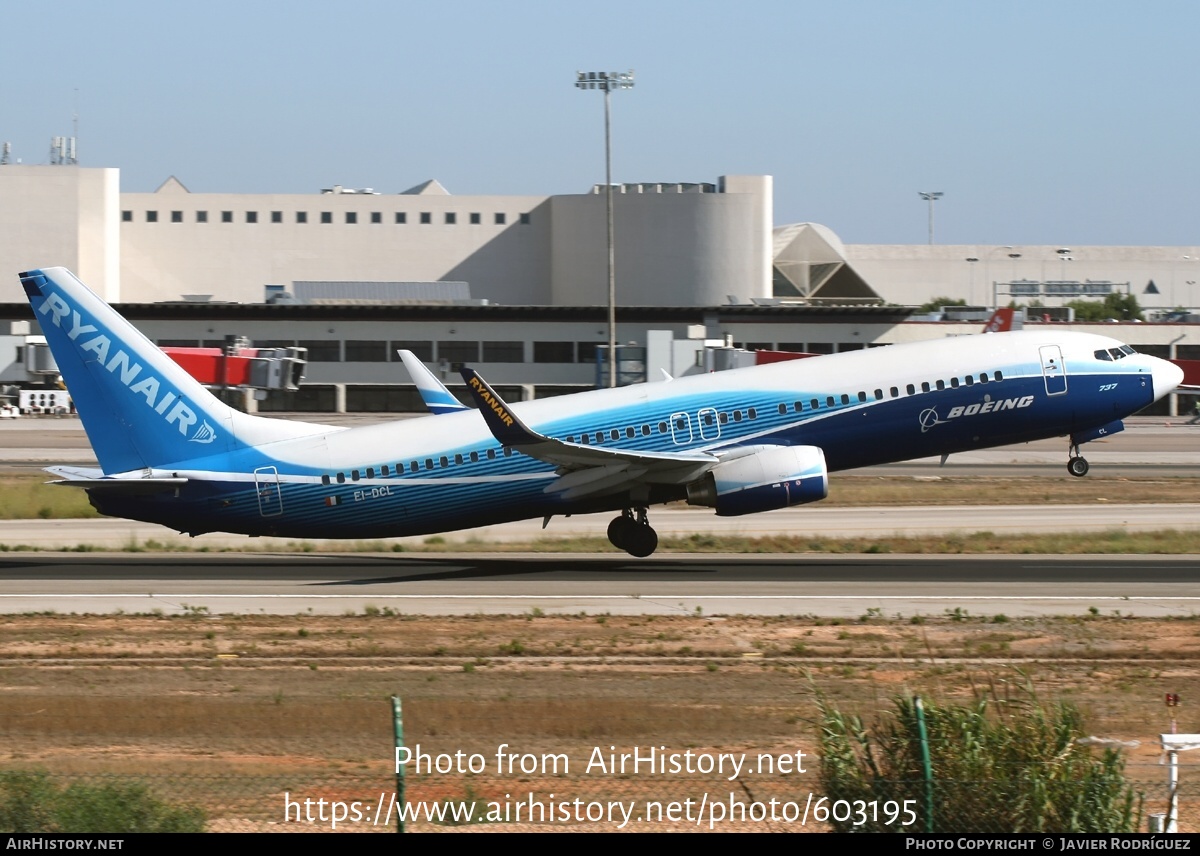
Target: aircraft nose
[[1166, 376]]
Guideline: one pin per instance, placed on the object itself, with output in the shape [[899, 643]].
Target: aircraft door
[[681, 428], [709, 423], [270, 499], [1053, 370]]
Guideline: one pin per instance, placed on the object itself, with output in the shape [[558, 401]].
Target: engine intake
[[761, 479]]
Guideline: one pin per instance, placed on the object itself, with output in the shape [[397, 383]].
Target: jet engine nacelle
[[762, 479]]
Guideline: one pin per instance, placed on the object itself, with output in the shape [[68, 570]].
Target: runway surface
[[844, 586]]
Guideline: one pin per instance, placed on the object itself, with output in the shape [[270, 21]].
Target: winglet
[[433, 392], [501, 421]]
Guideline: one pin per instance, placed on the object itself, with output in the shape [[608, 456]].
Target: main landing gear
[[633, 534], [1077, 465]]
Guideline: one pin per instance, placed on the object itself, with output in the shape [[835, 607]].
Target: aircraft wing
[[433, 392], [92, 478], [584, 470]]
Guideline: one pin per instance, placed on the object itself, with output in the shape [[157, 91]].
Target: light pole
[[607, 81], [931, 196]]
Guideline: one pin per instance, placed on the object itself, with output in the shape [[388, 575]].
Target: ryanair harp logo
[[204, 434]]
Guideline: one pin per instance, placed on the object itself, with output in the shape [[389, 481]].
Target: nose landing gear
[[1077, 465], [633, 534]]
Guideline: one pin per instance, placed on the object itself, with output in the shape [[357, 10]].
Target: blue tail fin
[[140, 409]]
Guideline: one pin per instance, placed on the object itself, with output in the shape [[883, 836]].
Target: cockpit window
[[1104, 355], [1128, 351]]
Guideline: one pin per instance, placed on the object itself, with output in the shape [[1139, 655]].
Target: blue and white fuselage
[[741, 441]]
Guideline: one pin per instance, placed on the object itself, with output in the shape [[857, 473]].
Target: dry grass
[[233, 711]]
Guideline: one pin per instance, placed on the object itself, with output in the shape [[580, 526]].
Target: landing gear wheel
[[622, 530], [633, 534], [644, 542], [1077, 466]]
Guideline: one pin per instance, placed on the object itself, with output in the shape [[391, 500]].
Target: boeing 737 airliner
[[739, 441]]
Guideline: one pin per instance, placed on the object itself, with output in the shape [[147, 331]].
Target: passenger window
[[737, 416], [983, 378], [629, 432], [845, 398], [429, 463], [587, 441], [507, 452], [998, 375], [924, 386], [386, 471], [941, 384], [753, 412], [862, 396], [709, 420], [798, 406], [370, 472], [354, 475], [894, 392], [954, 382], [782, 409], [458, 459], [325, 479], [816, 405], [413, 466], [645, 430], [599, 437], [831, 401], [970, 379], [662, 427], [491, 454], [444, 461], [341, 478], [614, 434], [912, 390], [724, 418], [879, 395]]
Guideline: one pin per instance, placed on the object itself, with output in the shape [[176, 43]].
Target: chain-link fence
[[368, 802]]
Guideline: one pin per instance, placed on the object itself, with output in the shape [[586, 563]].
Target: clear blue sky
[[1042, 121]]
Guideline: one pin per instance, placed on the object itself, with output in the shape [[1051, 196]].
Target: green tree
[[1011, 765], [938, 303], [1122, 307]]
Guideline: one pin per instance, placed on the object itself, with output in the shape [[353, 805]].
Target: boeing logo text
[[739, 442]]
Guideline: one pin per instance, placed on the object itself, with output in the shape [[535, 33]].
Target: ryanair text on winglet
[[486, 395]]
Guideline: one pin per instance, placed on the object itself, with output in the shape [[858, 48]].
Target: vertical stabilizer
[[139, 408]]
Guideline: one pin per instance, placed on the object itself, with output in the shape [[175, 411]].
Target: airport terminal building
[[517, 284]]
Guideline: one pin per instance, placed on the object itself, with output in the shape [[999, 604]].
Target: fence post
[[398, 732], [926, 765]]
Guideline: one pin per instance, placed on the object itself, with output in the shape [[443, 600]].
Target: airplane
[[739, 441]]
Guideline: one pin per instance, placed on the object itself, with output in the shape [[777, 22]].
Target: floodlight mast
[[931, 196], [607, 81]]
